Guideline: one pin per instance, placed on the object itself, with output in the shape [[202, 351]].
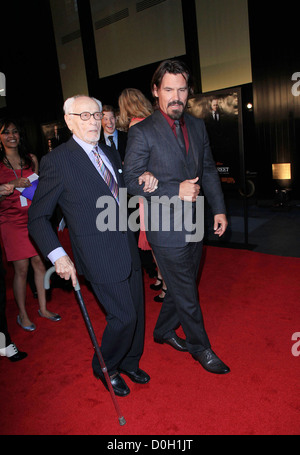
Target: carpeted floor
[[250, 303]]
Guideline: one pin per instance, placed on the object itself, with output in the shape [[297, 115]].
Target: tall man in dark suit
[[71, 176], [111, 136], [182, 169]]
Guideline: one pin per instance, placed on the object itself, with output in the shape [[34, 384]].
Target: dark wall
[[109, 88], [271, 132], [29, 61], [275, 57]]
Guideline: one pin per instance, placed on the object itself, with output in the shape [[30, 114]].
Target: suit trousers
[[123, 338], [179, 267]]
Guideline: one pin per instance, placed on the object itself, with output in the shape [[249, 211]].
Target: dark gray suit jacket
[[68, 178], [152, 146], [122, 142]]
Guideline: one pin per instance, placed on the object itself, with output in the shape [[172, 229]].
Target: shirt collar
[[114, 134], [85, 145]]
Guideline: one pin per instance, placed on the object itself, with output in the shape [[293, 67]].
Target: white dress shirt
[[115, 139]]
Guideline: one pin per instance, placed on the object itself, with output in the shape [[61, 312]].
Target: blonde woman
[[134, 107]]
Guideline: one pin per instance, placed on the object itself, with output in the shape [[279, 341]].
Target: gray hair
[[68, 104]]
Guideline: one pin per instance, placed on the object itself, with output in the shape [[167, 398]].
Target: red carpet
[[251, 308]]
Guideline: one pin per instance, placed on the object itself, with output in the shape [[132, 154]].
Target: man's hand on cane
[[65, 268]]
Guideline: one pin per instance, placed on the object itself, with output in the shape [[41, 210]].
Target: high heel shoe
[[29, 328], [156, 287], [160, 299]]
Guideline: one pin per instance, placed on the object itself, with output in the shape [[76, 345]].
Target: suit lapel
[[113, 161], [167, 136], [81, 160], [193, 142]]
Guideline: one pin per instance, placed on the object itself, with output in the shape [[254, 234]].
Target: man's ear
[[155, 91], [68, 120]]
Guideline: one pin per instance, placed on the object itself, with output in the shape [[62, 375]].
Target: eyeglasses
[[87, 115]]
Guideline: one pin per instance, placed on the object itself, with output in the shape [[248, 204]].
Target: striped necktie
[[107, 175]]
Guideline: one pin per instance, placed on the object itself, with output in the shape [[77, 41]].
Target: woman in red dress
[[16, 165]]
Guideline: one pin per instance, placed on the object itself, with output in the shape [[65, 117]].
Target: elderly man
[[75, 175], [174, 147]]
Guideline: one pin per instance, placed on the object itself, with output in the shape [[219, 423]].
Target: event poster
[[54, 134], [221, 113]]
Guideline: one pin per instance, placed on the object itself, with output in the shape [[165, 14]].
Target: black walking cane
[[87, 320]]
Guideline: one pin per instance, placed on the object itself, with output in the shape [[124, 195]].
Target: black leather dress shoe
[[12, 353], [19, 356], [139, 376], [118, 384], [177, 343], [211, 362]]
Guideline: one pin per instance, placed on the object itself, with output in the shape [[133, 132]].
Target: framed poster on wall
[[222, 114], [54, 134]]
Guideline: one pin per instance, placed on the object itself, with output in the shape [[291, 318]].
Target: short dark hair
[[108, 108], [172, 67]]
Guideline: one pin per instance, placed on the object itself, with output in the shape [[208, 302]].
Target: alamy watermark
[[2, 84], [2, 344], [166, 215], [296, 87], [296, 346]]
